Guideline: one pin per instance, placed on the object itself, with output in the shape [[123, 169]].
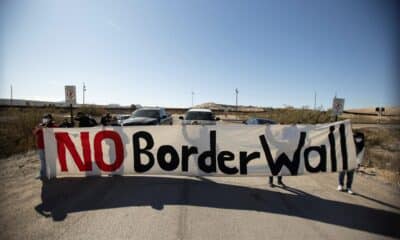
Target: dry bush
[[92, 110], [16, 127], [382, 148], [293, 116]]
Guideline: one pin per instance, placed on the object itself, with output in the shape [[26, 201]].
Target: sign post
[[337, 107], [380, 111], [70, 98]]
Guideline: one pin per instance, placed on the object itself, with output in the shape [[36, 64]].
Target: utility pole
[[11, 95], [192, 97], [84, 90], [237, 93], [315, 100]]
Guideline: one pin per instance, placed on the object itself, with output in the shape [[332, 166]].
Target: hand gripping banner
[[222, 150]]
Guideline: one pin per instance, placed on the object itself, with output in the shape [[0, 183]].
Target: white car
[[199, 117]]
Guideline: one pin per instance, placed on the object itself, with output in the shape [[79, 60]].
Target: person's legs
[[341, 180], [350, 175], [271, 180], [42, 163], [280, 180]]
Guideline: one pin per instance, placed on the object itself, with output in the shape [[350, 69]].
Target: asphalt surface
[[152, 207]]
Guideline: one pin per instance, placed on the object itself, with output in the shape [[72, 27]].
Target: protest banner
[[193, 150]]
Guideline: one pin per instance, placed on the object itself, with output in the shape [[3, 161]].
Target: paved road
[[192, 208]]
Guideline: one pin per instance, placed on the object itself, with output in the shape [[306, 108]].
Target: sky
[[156, 53]]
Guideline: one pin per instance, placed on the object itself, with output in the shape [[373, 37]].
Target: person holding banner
[[359, 141], [47, 121], [350, 176], [85, 120]]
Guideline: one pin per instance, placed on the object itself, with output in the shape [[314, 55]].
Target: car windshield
[[199, 116], [123, 117], [150, 113]]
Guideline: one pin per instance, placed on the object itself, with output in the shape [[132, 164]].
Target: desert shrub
[[382, 148], [16, 127], [94, 111]]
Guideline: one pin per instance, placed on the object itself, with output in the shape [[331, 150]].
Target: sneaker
[[340, 188], [349, 191], [280, 183]]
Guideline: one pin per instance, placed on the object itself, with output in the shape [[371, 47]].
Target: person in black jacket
[[85, 120], [106, 119], [66, 124]]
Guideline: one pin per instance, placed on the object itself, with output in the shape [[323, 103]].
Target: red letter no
[[98, 150], [64, 142]]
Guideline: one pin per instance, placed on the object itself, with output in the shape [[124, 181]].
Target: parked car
[[148, 116], [199, 117], [259, 121], [122, 117]]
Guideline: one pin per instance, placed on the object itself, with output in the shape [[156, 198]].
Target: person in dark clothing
[[271, 181], [85, 120], [106, 120], [359, 141], [65, 124]]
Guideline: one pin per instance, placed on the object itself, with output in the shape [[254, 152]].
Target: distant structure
[[5, 102], [25, 102]]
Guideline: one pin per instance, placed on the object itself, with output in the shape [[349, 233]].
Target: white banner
[[234, 150]]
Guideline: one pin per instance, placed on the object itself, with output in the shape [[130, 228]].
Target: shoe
[[271, 184], [340, 188], [349, 191], [280, 183]]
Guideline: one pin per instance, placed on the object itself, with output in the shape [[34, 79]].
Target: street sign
[[338, 106], [380, 110], [70, 94]]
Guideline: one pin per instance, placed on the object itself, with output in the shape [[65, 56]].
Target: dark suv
[[148, 116]]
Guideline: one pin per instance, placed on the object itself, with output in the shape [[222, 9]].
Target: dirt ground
[[166, 207]]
